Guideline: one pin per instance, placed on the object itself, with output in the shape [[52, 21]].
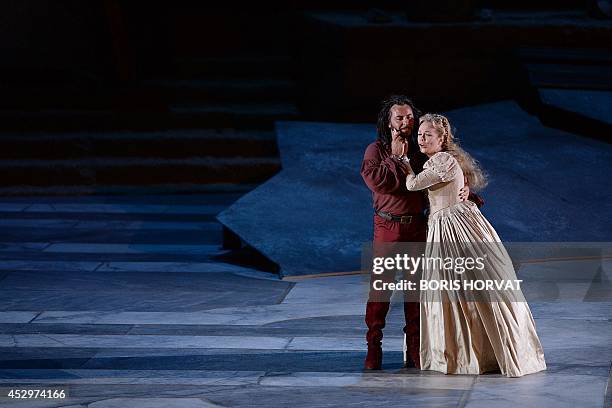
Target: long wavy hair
[[384, 117], [476, 177]]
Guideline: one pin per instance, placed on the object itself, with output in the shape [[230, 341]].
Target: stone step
[[59, 190], [581, 111], [174, 143], [569, 68], [565, 55], [136, 171], [236, 111], [98, 234], [150, 93], [204, 32], [218, 115], [569, 88], [570, 76], [236, 67], [228, 90]]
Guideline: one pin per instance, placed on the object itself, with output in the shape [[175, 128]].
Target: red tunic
[[386, 177]]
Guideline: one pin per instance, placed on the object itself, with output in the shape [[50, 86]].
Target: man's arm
[[384, 176], [478, 200]]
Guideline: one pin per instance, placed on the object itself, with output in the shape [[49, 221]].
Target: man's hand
[[399, 145], [464, 192]]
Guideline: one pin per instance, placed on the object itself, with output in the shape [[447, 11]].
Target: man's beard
[[405, 132]]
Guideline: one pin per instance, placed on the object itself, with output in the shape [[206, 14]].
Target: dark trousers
[[378, 301]]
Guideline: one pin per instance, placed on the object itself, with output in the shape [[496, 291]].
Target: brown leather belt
[[402, 219]]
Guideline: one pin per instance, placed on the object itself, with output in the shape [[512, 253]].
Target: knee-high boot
[[376, 313], [412, 332]]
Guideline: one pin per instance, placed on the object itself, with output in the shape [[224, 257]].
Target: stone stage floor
[[124, 301]]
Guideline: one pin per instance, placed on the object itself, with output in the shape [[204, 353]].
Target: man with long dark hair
[[399, 214]]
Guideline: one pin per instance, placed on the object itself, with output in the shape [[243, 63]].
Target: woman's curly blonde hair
[[476, 177]]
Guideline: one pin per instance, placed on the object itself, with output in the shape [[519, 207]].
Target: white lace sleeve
[[440, 168]]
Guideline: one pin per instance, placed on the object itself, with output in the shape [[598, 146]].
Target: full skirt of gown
[[461, 335]]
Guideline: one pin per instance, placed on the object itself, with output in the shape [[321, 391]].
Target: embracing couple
[[421, 180]]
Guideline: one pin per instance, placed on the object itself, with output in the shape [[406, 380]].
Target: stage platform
[[546, 185], [584, 111], [122, 300]]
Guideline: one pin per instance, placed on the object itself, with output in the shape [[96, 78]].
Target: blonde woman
[[463, 331]]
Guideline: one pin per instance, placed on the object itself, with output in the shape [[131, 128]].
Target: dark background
[[76, 76]]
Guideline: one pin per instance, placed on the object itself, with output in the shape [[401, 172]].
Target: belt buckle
[[405, 219], [385, 215]]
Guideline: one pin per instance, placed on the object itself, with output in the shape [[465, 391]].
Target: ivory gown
[[458, 336]]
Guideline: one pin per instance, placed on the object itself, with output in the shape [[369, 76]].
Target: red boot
[[413, 356], [412, 331], [376, 312], [373, 360]]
